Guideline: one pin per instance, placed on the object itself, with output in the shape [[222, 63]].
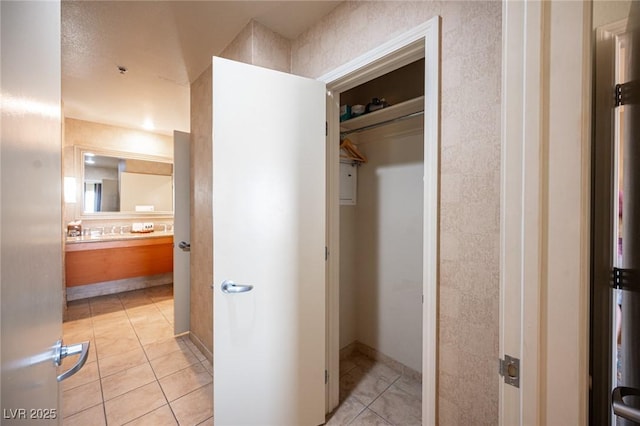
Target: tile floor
[[137, 372], [373, 393]]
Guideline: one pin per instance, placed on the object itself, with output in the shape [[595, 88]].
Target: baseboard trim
[[117, 286], [198, 343]]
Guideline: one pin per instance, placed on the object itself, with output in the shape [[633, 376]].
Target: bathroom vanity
[[109, 258], [110, 188]]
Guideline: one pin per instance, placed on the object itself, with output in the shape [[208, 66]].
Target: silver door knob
[[184, 246], [62, 351], [230, 287], [620, 408]]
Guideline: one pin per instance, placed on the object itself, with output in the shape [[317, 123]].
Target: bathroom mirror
[[123, 184]]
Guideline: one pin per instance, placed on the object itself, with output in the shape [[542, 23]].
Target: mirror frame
[[79, 152]]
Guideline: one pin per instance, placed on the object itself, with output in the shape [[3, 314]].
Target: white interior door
[[181, 232], [268, 233], [31, 214]]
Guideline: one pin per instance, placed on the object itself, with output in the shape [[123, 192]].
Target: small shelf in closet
[[385, 115]]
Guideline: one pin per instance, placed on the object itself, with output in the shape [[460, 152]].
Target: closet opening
[[381, 228], [382, 233]]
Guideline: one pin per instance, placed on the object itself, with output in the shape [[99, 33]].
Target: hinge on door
[[326, 128], [617, 93], [509, 368], [326, 253], [326, 377], [626, 93], [623, 279]]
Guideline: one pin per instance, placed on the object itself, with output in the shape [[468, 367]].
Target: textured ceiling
[[163, 45]]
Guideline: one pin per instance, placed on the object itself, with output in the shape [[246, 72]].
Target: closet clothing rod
[[382, 123]]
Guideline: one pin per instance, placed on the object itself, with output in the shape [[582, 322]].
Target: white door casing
[[268, 232], [31, 211], [520, 81], [332, 391], [545, 210], [181, 231], [422, 41]]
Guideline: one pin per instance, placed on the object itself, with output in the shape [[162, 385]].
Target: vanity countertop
[[118, 237]]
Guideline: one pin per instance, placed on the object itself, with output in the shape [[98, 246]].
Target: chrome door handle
[[231, 287], [63, 351], [620, 408], [184, 246]]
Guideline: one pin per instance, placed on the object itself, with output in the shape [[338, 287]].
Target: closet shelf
[[392, 113]]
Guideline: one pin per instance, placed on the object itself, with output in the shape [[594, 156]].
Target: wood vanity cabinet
[[101, 261]]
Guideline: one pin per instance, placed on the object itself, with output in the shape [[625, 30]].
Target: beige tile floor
[[137, 372], [373, 393]]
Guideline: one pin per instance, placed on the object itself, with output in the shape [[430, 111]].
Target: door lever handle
[[63, 351], [624, 410], [230, 287], [184, 246]]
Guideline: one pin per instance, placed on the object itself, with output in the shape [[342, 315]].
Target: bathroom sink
[[113, 237]]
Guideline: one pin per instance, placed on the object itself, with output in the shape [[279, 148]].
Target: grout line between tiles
[[152, 369], [156, 376], [95, 350], [356, 416], [368, 406], [190, 392], [93, 314], [206, 420], [142, 415]]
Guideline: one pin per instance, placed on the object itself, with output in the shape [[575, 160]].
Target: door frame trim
[[545, 210], [520, 203], [422, 41]]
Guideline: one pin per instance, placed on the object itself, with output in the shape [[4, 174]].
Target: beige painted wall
[[146, 190], [386, 229], [348, 277], [606, 12], [257, 45], [201, 321], [470, 172], [87, 133], [241, 48], [470, 167]]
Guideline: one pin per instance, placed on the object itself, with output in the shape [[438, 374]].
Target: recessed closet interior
[[381, 217]]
